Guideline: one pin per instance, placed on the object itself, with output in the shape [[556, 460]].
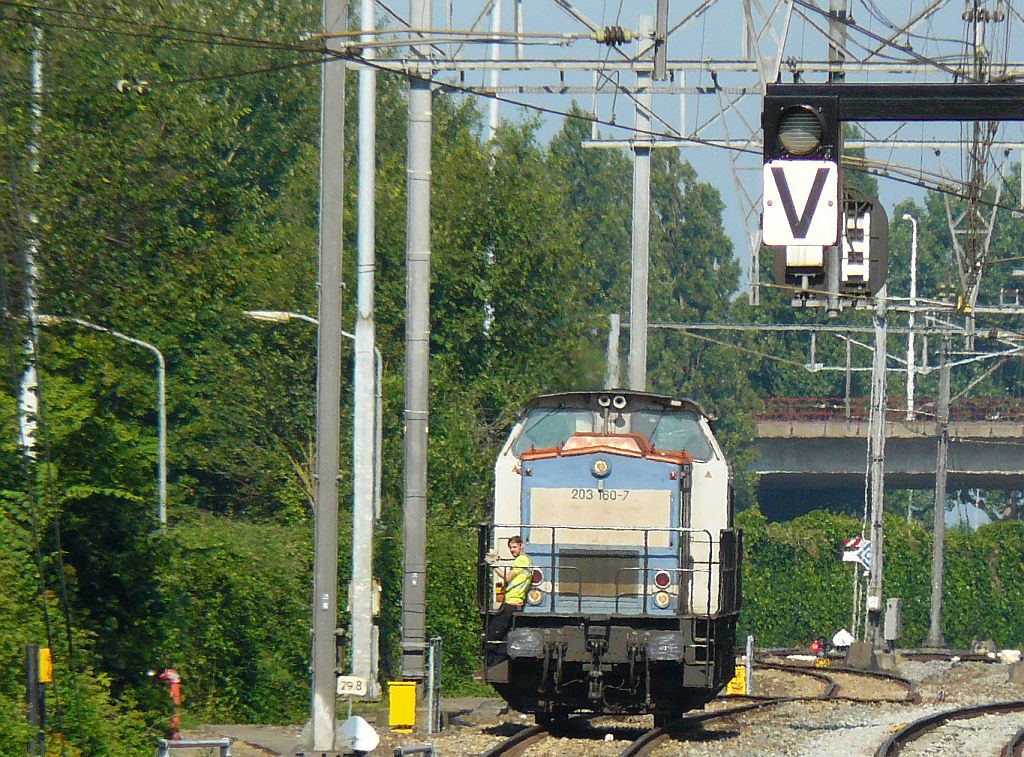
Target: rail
[[895, 743], [818, 409]]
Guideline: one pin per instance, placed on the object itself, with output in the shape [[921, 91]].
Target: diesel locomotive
[[624, 503]]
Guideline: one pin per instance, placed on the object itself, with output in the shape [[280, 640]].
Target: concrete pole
[[836, 58], [493, 76], [364, 447], [28, 393], [328, 383], [417, 357], [641, 224], [611, 380], [837, 12], [935, 637], [910, 321], [849, 378], [876, 473]]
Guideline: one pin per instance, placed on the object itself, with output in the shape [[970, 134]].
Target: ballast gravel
[[845, 727]]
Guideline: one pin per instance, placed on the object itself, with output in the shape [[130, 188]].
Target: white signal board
[[801, 203]]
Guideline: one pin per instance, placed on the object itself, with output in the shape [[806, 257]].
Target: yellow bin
[[402, 706]]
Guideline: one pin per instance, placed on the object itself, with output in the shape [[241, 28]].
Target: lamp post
[[366, 506], [54, 320], [910, 322]]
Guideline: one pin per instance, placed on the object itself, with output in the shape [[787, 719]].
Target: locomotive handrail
[[552, 560]]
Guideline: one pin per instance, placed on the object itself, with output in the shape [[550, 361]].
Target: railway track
[[911, 732], [654, 738], [841, 681]]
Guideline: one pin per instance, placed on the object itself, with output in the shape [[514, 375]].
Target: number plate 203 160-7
[[599, 495]]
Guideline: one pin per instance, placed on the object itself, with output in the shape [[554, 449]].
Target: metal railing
[[690, 555], [166, 745], [814, 409]]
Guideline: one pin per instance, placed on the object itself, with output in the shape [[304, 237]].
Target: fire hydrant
[[173, 680]]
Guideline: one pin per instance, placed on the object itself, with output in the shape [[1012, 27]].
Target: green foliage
[[451, 603], [238, 626], [796, 587]]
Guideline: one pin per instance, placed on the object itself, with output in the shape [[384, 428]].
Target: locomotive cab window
[[549, 427], [673, 431]]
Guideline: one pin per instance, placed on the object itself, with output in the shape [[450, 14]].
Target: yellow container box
[[402, 706], [738, 685]]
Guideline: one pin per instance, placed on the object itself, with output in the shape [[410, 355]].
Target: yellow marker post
[[402, 706], [738, 684], [45, 665]]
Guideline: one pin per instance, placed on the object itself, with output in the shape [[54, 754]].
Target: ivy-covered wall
[[796, 586]]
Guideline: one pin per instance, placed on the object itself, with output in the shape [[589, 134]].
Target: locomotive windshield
[[673, 431], [665, 429], [549, 427]]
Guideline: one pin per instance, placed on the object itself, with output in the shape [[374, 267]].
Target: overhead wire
[[214, 38]]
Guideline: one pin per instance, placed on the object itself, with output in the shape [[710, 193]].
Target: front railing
[[591, 569]]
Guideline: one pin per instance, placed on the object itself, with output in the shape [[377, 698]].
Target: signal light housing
[[800, 126], [662, 579], [800, 129]]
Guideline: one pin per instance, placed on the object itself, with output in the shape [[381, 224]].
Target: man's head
[[515, 545]]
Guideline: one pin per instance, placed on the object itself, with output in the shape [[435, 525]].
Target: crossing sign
[[857, 549], [801, 203]]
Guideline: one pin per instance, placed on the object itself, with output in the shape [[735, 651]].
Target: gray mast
[[364, 443], [935, 637], [328, 381], [641, 219], [417, 355], [876, 471]]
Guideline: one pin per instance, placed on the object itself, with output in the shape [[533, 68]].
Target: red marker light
[[815, 646], [536, 577], [662, 579]]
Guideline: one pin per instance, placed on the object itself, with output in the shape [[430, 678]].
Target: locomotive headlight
[[601, 468], [524, 642], [662, 599], [534, 596]]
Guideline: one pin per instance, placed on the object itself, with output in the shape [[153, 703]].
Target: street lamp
[[284, 316], [366, 505], [54, 320], [910, 322]]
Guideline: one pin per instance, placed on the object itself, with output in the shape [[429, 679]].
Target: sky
[[715, 36]]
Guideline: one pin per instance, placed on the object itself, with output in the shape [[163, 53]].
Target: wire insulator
[[614, 35]]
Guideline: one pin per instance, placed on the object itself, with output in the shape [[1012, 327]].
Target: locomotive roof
[[589, 398]]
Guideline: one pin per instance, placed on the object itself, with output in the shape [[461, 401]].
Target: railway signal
[[830, 242], [802, 143]]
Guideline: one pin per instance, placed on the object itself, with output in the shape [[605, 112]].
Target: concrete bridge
[[813, 451]]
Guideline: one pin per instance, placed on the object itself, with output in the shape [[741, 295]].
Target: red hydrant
[[173, 680]]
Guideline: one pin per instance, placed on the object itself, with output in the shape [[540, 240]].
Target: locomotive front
[[623, 502]]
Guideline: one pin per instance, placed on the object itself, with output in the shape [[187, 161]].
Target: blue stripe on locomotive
[[575, 471]]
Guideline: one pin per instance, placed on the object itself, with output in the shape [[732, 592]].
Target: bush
[[796, 587]]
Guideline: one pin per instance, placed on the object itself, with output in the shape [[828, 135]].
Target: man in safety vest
[[517, 578]]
